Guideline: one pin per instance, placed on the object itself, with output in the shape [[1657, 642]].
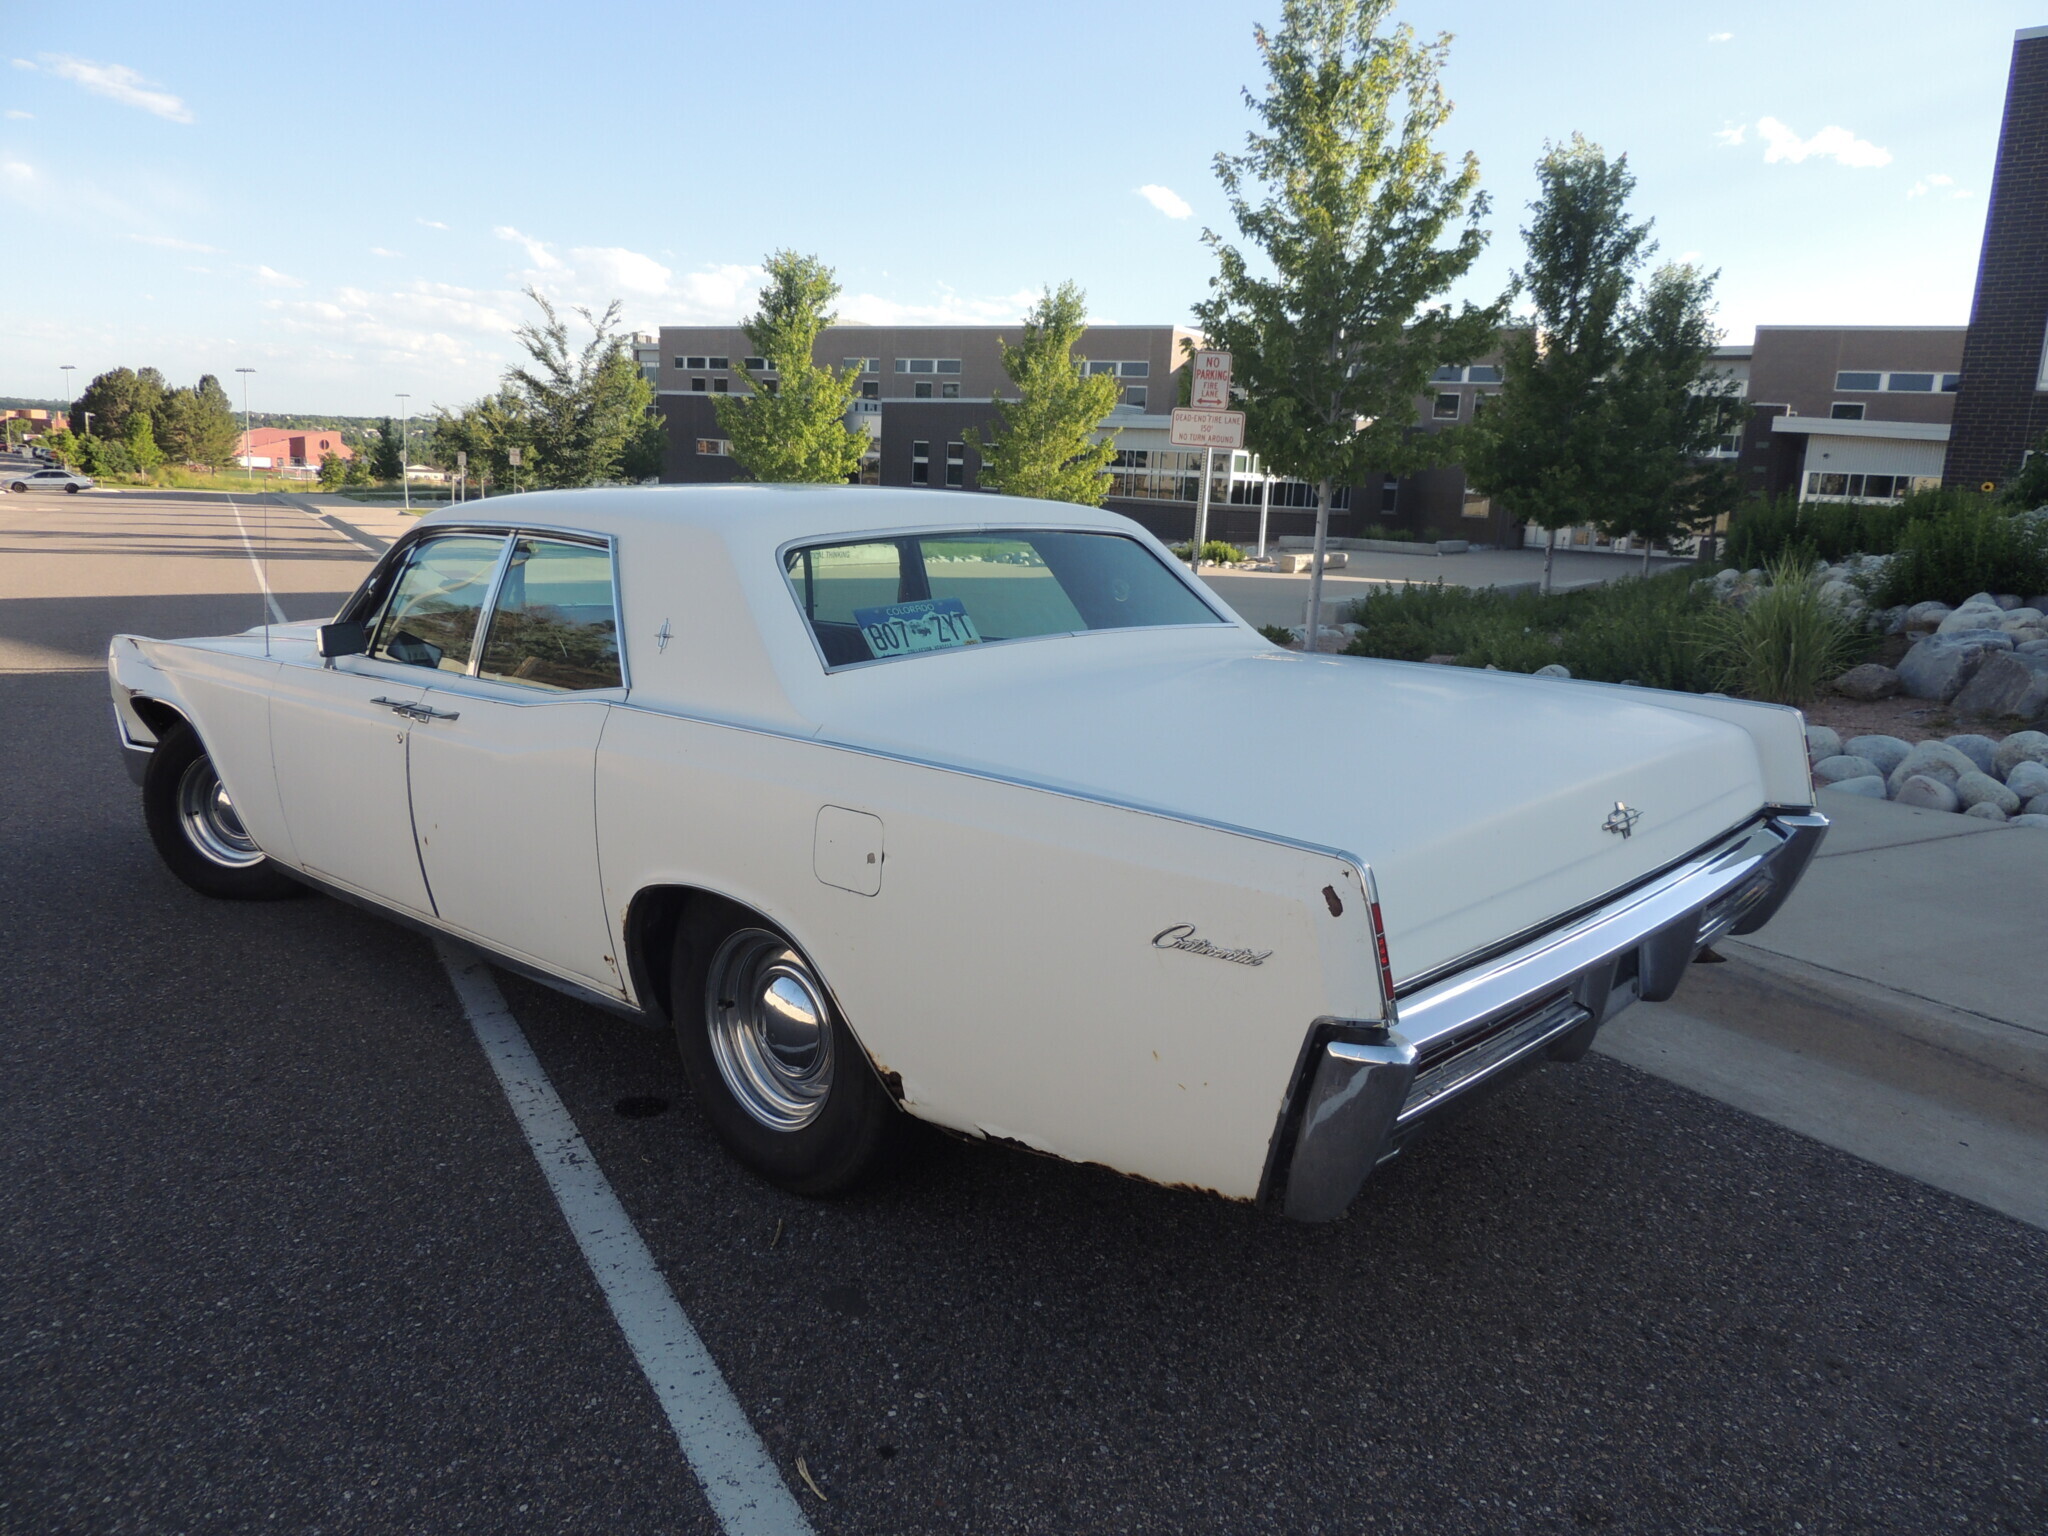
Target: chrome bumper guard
[[1364, 1089]]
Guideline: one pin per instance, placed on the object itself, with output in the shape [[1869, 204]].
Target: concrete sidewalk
[[373, 527], [1896, 1008]]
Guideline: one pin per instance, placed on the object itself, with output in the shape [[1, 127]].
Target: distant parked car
[[49, 480]]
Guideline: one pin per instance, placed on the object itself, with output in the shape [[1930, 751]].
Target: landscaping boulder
[[2027, 821], [1981, 750], [2006, 685], [2019, 747], [2006, 600], [1822, 741], [1935, 760], [2020, 618], [1872, 680], [1558, 669], [2027, 780], [2039, 604], [1833, 770], [1873, 787], [2038, 806], [1968, 618], [1939, 666], [2032, 647], [1984, 810], [1925, 794], [1924, 618], [1981, 789], [1885, 751]]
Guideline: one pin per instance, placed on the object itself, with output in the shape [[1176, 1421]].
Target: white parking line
[[262, 581], [746, 1492]]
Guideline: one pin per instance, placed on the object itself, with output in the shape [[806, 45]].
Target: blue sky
[[352, 205]]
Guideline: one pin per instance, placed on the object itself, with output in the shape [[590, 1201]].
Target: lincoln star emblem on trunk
[[1621, 819]]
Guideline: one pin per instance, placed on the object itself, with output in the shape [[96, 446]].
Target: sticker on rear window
[[903, 629]]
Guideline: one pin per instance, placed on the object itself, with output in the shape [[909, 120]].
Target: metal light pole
[[248, 449], [1265, 511], [405, 449], [67, 369]]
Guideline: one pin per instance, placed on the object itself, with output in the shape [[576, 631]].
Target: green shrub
[[1787, 642], [1277, 634], [1975, 548], [1215, 550], [1828, 530]]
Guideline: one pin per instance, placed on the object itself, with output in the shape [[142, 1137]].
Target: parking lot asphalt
[[275, 1256]]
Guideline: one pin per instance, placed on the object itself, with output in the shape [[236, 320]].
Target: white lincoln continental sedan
[[979, 811]]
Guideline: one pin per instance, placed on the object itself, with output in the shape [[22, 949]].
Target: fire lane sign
[[1210, 382], [1207, 429]]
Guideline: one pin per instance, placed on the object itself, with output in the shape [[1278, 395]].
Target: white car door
[[340, 735], [504, 763]]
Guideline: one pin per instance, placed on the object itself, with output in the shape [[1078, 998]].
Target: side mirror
[[333, 640]]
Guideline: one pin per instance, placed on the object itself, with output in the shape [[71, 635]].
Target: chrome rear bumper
[[1362, 1091]]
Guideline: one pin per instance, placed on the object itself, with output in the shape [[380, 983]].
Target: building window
[[1911, 383], [1731, 443], [694, 362], [1448, 376], [754, 364], [1906, 383], [1390, 496], [721, 386], [698, 385], [1951, 382], [680, 362], [719, 364], [927, 365], [1846, 410], [1858, 487], [956, 464], [1476, 504], [1134, 370], [922, 389], [1446, 408], [1859, 381], [871, 389], [1482, 373], [862, 364], [1135, 396], [920, 463], [714, 447], [949, 391]]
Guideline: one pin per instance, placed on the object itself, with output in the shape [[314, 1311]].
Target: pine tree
[[794, 427], [1043, 444], [387, 458], [1351, 206], [141, 440]]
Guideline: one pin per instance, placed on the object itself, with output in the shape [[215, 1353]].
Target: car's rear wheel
[[780, 1076], [196, 829]]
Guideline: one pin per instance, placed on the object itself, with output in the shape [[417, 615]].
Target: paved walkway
[[1267, 597], [1896, 1008]]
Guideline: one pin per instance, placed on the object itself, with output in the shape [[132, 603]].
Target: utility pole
[[248, 448], [405, 449]]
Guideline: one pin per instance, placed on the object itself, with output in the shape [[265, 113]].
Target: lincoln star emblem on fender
[[1621, 819], [1182, 936]]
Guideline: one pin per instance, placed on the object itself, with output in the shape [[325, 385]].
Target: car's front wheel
[[780, 1076], [196, 829], [70, 490], [16, 489]]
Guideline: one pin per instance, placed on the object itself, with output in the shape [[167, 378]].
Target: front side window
[[879, 599], [431, 618], [554, 624]]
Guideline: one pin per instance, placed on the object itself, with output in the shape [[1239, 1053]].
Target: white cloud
[[1733, 135], [16, 115], [430, 223], [1166, 200], [116, 82], [378, 250], [1720, 37], [1831, 143], [621, 271], [537, 251], [1928, 184], [22, 63], [269, 277], [170, 243], [17, 173], [949, 308]]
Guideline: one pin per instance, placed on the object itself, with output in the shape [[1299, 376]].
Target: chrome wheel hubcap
[[770, 1028], [208, 816]]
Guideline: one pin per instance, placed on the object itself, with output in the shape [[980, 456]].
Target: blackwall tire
[[195, 828], [778, 1073]]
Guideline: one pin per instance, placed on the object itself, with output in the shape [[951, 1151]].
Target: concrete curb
[[347, 530]]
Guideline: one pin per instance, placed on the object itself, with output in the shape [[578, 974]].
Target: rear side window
[[431, 620], [879, 599], [554, 624]]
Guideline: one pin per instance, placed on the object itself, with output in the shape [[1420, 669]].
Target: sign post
[[1207, 430], [512, 458], [461, 472]]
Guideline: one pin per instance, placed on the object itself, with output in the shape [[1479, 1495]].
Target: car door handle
[[413, 711]]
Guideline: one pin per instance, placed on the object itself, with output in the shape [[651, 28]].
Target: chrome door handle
[[413, 711]]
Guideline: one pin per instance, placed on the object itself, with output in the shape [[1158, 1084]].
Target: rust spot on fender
[[1333, 901], [893, 1081]]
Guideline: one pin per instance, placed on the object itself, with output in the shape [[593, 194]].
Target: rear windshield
[[872, 599]]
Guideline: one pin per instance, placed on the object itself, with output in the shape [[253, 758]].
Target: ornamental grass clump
[[1788, 640]]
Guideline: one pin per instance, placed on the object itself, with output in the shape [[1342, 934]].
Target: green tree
[[486, 431], [583, 407], [214, 430], [141, 442], [2028, 488], [1345, 196], [794, 427], [333, 472], [116, 395], [1552, 448], [387, 457], [1673, 410], [63, 444], [173, 423], [1043, 443]]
